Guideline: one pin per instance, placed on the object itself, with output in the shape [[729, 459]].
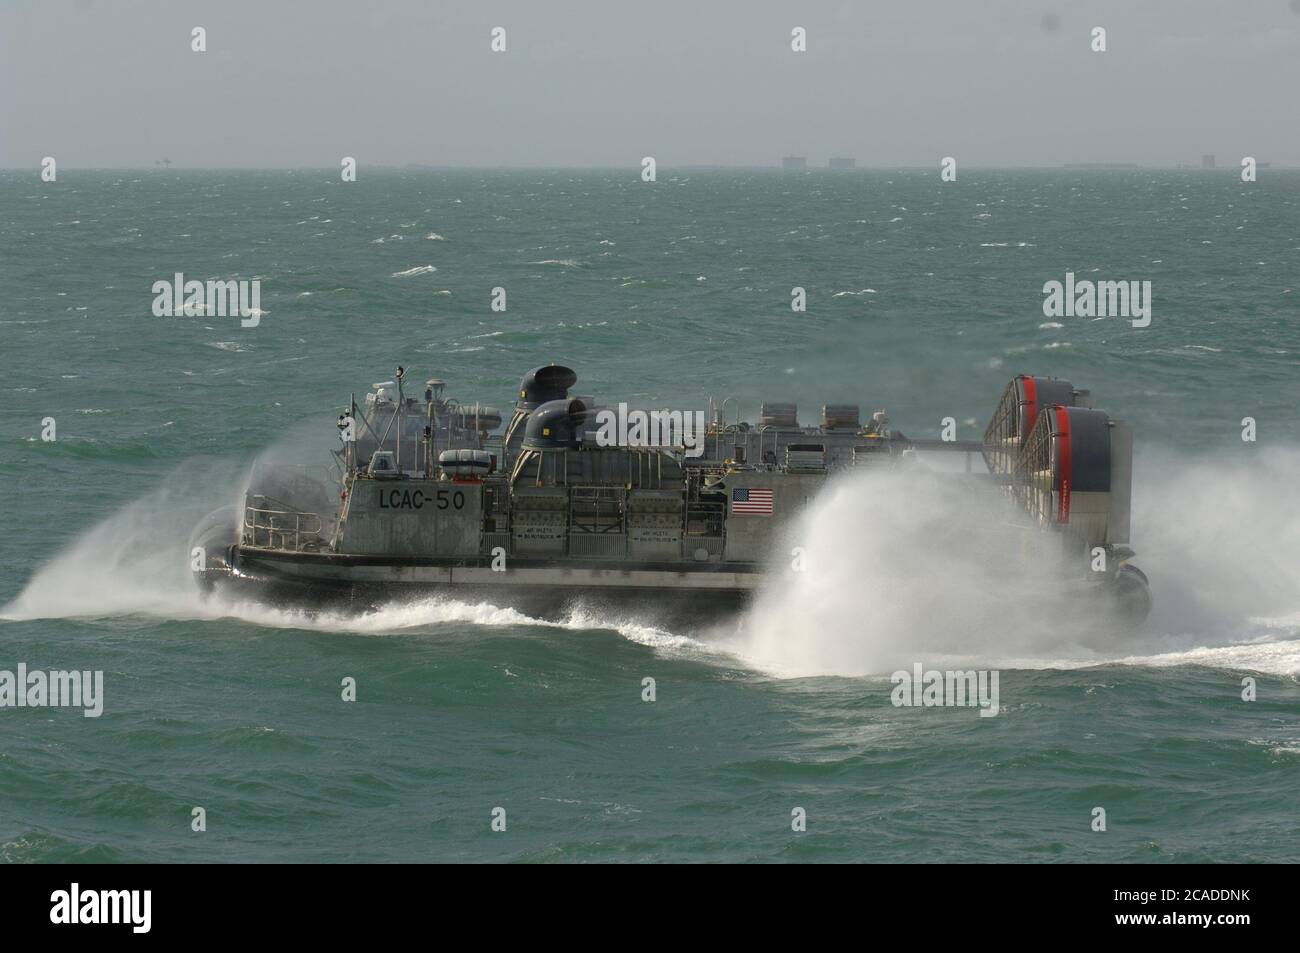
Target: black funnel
[[556, 425], [543, 384]]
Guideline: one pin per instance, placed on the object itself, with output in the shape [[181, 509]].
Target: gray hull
[[357, 583]]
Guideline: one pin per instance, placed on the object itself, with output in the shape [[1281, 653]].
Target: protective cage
[[1014, 419], [1067, 452]]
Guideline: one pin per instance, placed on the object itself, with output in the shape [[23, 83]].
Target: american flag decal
[[747, 501]]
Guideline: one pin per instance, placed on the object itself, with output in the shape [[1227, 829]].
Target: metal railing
[[292, 530]]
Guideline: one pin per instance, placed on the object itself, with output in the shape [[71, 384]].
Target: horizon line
[[635, 168]]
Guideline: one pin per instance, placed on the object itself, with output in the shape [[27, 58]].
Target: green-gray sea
[[923, 297]]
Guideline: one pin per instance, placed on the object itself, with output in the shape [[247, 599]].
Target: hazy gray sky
[[99, 83]]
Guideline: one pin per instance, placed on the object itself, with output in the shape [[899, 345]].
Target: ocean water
[[923, 298]]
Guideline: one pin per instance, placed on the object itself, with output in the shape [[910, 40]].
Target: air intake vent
[[805, 457], [840, 417], [779, 415]]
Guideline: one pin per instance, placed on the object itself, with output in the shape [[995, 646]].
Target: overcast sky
[[301, 83]]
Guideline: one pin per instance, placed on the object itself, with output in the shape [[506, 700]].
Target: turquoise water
[[923, 298]]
